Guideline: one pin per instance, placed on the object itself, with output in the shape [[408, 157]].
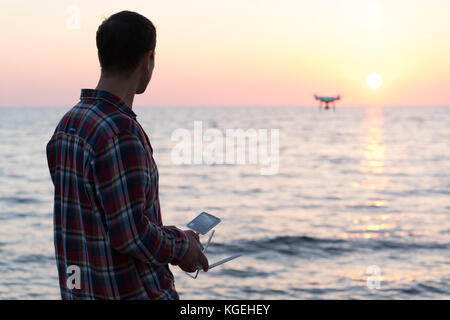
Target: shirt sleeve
[[122, 179]]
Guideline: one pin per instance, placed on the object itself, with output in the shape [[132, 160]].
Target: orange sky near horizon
[[237, 52]]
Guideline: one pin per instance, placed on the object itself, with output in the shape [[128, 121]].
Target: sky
[[236, 52]]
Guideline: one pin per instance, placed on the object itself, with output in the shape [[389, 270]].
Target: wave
[[33, 258], [423, 289], [14, 215], [288, 245], [19, 200], [318, 247], [415, 192]]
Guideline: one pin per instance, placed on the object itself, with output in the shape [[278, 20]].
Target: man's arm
[[121, 179]]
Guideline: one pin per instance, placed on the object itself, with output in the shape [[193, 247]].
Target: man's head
[[126, 47]]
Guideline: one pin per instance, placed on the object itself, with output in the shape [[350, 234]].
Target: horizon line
[[244, 106]]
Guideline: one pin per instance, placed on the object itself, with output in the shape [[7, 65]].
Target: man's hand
[[194, 258]]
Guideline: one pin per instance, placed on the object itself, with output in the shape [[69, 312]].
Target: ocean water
[[359, 208]]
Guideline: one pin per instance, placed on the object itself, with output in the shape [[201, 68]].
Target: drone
[[327, 101]]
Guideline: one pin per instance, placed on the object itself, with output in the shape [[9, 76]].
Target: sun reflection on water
[[373, 164]]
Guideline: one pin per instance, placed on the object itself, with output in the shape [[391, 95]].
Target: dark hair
[[123, 39]]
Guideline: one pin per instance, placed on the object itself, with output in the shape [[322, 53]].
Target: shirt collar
[[108, 97]]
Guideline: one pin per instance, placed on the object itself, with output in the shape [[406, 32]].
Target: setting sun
[[374, 80]]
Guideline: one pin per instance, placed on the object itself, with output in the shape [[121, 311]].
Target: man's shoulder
[[96, 122]]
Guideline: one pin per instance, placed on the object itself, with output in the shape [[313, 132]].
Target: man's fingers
[[204, 262], [192, 269], [193, 234], [194, 259], [188, 268]]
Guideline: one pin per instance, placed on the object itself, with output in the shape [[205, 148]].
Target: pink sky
[[237, 53]]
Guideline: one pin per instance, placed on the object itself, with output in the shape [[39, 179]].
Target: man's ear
[[145, 64]]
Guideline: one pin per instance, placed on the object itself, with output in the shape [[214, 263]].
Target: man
[[107, 218]]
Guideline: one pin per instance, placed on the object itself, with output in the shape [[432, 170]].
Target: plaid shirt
[[107, 218]]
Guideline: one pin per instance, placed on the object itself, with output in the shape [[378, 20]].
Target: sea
[[358, 206]]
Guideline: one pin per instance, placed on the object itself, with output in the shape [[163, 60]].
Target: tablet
[[203, 223]]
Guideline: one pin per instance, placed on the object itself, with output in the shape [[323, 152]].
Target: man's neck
[[124, 88]]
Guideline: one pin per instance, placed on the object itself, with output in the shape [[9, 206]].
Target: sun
[[374, 80]]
